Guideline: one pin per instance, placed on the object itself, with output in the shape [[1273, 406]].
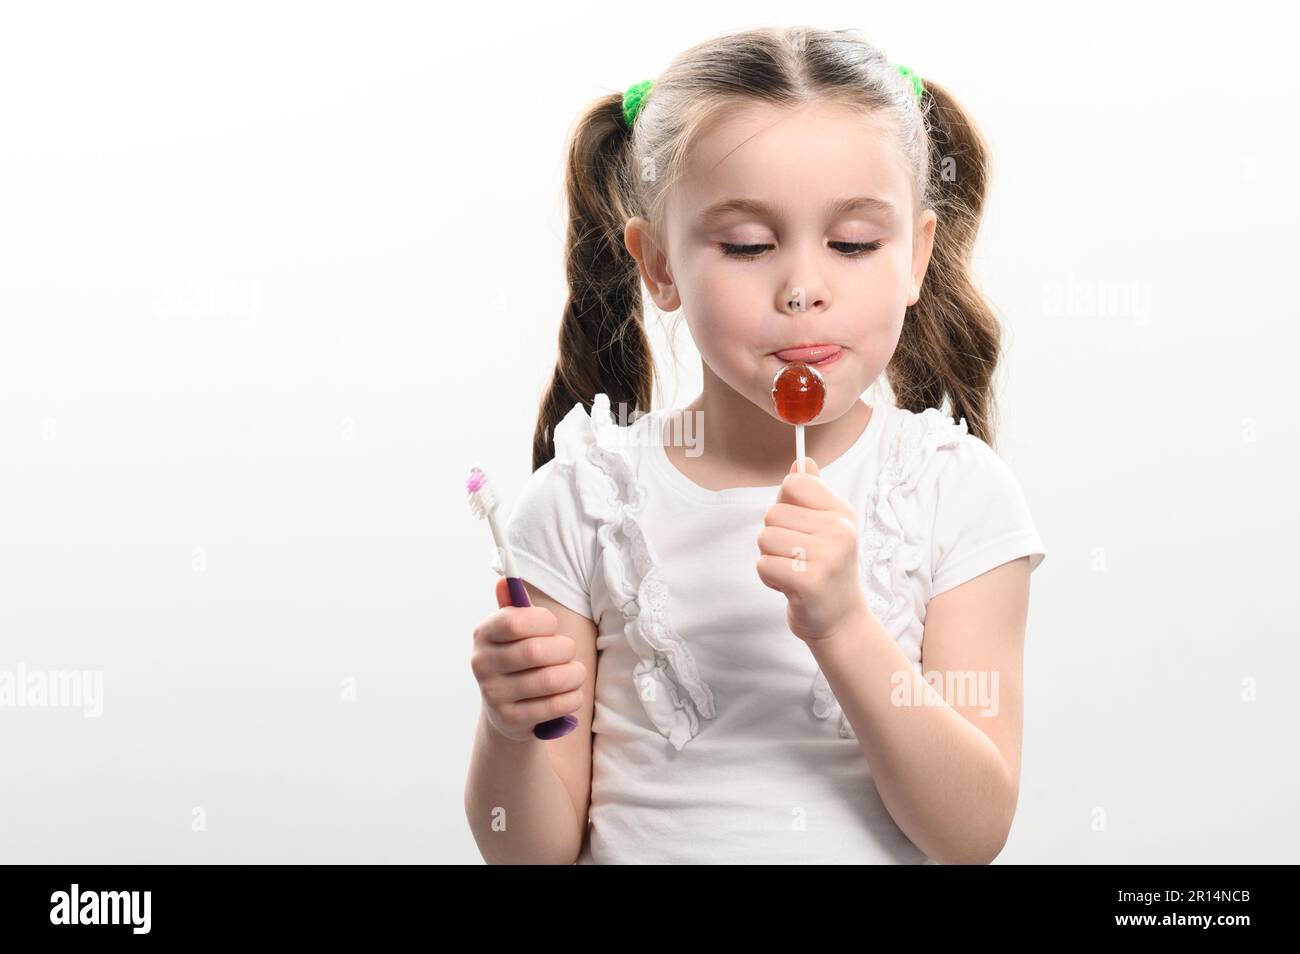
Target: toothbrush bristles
[[481, 498]]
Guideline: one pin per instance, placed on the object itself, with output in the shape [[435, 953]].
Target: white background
[[272, 277]]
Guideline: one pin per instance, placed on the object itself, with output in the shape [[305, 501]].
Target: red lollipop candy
[[799, 392]]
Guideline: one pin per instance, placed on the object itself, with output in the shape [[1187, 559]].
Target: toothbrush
[[483, 502]]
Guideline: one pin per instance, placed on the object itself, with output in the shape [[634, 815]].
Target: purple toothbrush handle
[[518, 595], [552, 728]]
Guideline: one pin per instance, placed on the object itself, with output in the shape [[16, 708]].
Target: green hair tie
[[634, 99], [634, 96], [918, 88]]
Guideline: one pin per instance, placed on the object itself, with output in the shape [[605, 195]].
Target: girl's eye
[[847, 249], [857, 249], [743, 251]]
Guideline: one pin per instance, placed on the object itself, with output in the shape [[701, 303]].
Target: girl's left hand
[[809, 547]]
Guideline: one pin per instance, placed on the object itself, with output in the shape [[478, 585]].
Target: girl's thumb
[[503, 592], [810, 466]]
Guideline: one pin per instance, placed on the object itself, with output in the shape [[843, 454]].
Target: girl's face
[[766, 251]]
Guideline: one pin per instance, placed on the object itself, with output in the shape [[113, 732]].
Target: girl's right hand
[[525, 670]]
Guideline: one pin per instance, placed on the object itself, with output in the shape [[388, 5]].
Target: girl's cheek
[[729, 307]]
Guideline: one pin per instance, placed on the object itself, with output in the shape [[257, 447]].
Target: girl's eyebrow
[[718, 210]]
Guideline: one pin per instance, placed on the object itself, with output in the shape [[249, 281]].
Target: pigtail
[[951, 339], [603, 345]]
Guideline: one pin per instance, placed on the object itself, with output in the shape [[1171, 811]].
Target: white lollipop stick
[[798, 447]]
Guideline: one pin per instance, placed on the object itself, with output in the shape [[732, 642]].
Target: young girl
[[768, 666]]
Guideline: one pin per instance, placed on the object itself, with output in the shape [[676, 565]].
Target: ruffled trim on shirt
[[888, 554], [666, 680]]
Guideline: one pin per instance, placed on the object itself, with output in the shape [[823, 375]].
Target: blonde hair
[[951, 339]]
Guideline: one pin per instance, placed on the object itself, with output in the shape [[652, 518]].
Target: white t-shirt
[[716, 736]]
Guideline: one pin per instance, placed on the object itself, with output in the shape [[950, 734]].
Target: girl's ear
[[922, 247], [640, 241]]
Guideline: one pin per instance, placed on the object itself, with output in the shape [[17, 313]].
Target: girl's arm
[[526, 802], [949, 774]]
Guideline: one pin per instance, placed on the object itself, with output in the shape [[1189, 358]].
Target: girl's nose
[[799, 299]]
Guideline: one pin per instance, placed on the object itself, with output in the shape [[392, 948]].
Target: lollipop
[[799, 393]]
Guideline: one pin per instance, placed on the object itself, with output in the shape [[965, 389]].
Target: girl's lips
[[812, 354], [817, 356]]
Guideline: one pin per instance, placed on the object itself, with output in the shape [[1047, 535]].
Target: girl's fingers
[[533, 711], [525, 654], [509, 624], [792, 518], [783, 542], [807, 490], [543, 682], [775, 571]]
